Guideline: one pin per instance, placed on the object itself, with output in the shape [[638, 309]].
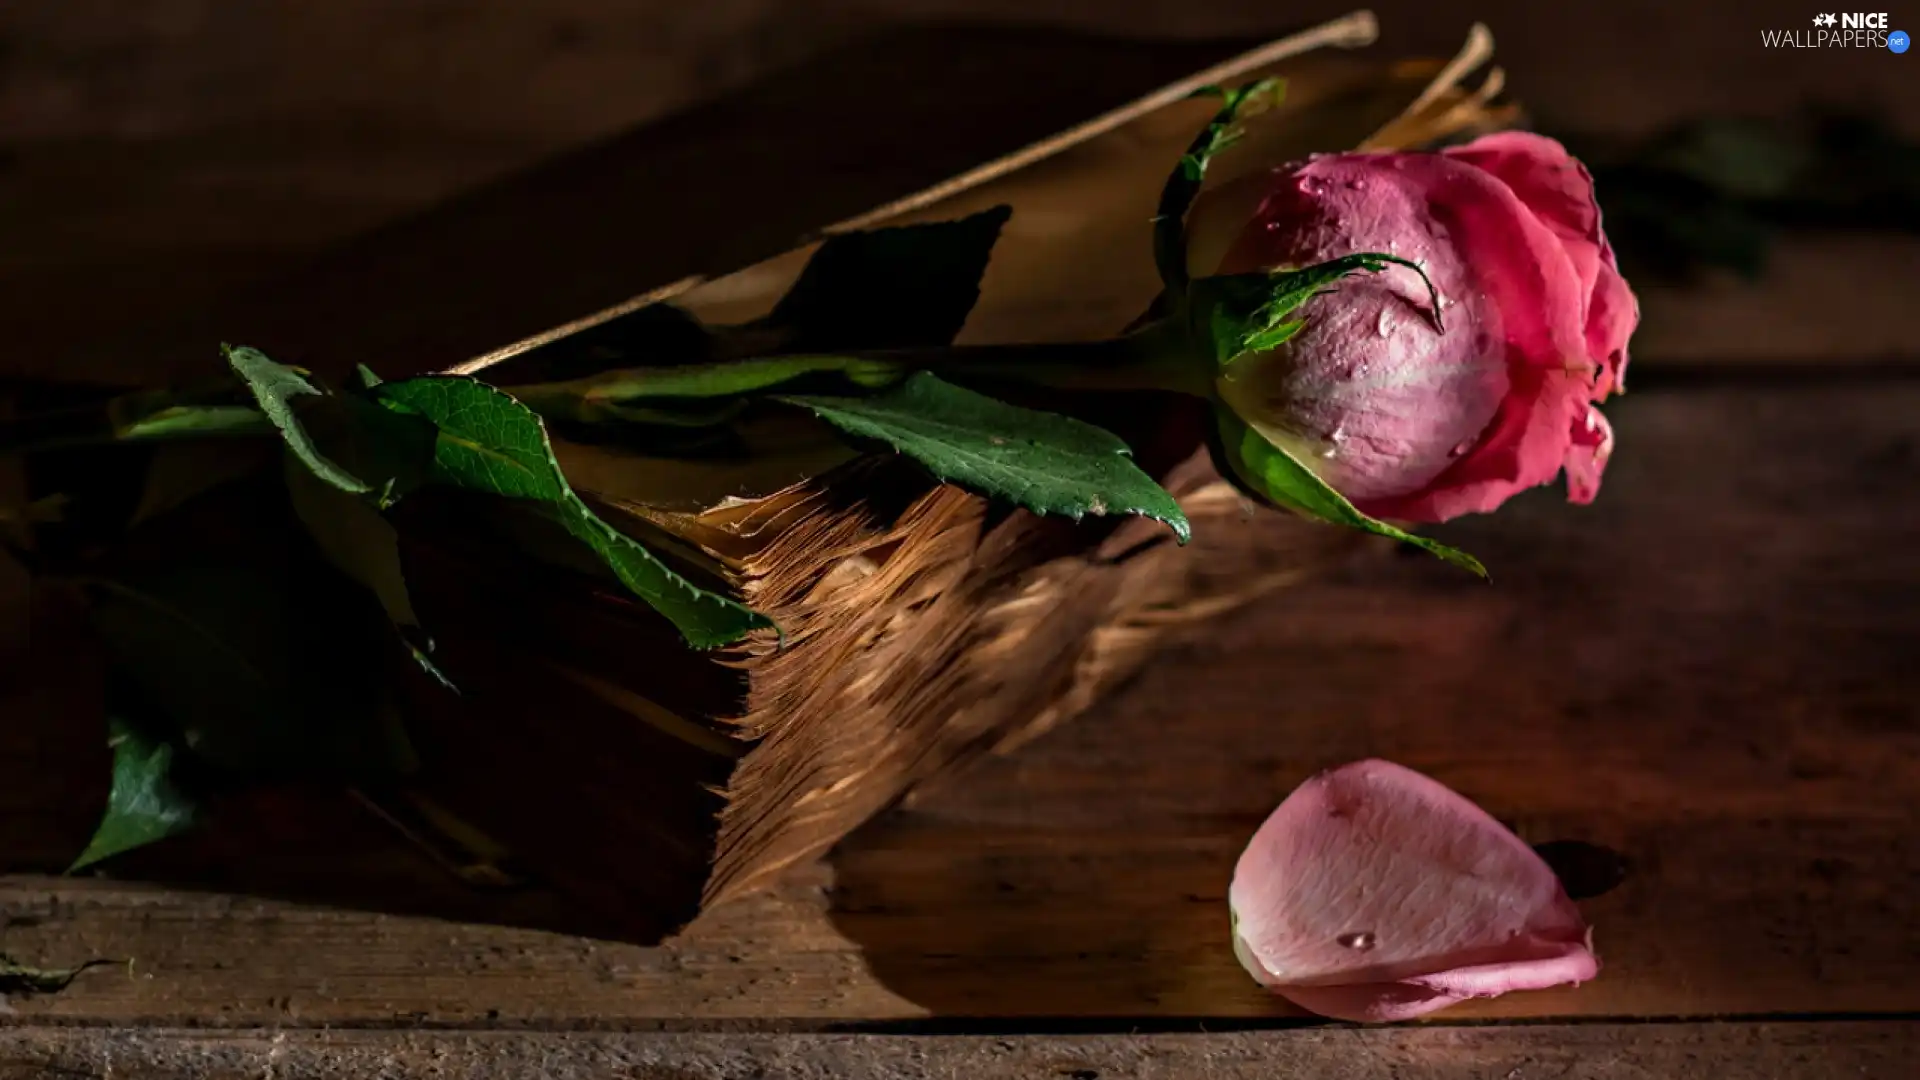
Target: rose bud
[[1410, 421], [1377, 894]]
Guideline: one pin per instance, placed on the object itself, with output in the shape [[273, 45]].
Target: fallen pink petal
[[1374, 893]]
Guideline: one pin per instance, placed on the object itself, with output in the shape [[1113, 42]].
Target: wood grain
[[1708, 671], [1805, 1051]]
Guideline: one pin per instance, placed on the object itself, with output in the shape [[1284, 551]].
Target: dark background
[[158, 154]]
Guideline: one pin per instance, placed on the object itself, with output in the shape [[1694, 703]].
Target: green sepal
[[1243, 315], [1273, 475], [1183, 184]]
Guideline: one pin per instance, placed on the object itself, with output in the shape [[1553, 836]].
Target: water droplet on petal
[[1385, 325], [1329, 451], [1360, 940], [1461, 449], [1393, 245]]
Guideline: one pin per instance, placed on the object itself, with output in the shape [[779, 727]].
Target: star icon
[[1824, 20]]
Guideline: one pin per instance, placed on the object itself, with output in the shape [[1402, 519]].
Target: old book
[[922, 626]]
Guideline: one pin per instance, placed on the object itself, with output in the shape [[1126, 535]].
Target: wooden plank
[[1806, 1051], [1709, 671]]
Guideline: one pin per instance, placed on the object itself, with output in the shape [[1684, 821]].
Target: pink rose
[[1411, 423], [1375, 893]]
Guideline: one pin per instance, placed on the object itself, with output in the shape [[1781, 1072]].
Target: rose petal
[[1612, 314], [1375, 893], [1525, 447], [1560, 190], [1553, 184], [1587, 453]]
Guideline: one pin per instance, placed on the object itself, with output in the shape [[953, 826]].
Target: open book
[[923, 626]]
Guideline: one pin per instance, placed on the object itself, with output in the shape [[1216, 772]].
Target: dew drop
[[1393, 245], [1461, 449], [1385, 325], [1329, 451], [1359, 940]]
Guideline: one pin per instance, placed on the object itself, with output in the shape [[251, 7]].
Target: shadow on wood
[[1708, 671]]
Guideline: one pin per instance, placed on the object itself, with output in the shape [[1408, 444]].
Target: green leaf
[[616, 394], [1246, 314], [144, 805], [333, 442], [1183, 184], [1272, 474], [192, 422], [393, 451], [276, 387], [891, 288], [18, 978], [143, 416], [490, 443], [1048, 463]]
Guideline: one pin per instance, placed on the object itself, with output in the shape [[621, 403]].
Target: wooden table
[[1709, 672]]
